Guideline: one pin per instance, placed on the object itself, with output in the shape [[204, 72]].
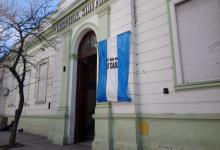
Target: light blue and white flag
[[113, 68]]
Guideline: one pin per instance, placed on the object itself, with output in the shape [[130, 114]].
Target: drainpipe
[[137, 111], [110, 127]]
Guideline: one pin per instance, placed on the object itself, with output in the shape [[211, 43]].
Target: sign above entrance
[[66, 22]]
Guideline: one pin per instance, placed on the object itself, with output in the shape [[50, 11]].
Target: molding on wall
[[37, 116], [198, 85], [162, 116], [130, 116]]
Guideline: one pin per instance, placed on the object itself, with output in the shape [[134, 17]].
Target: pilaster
[[64, 106], [103, 16]]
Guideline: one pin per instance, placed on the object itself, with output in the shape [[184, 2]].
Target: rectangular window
[[27, 86], [14, 91], [196, 39], [42, 82], [2, 83]]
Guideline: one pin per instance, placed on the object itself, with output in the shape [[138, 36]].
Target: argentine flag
[[113, 69]]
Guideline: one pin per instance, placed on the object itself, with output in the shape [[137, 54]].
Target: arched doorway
[[86, 88]]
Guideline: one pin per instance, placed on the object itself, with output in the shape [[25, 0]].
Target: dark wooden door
[[81, 101], [86, 89]]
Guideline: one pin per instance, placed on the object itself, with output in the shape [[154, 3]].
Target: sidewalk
[[35, 142]]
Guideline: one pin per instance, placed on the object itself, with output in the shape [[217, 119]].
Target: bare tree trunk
[[27, 24], [18, 112]]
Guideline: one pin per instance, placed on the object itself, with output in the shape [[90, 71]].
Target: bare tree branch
[[18, 29]]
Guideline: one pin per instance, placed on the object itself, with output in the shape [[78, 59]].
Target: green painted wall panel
[[183, 133], [52, 128], [101, 140], [124, 130]]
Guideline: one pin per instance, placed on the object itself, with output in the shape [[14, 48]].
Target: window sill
[[40, 102], [198, 85]]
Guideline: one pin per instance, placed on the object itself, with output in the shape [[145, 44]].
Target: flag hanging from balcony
[[113, 69]]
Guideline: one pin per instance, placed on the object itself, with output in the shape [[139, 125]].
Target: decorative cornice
[[68, 10], [71, 17]]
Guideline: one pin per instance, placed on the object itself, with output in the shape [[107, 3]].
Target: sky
[[15, 3], [22, 3]]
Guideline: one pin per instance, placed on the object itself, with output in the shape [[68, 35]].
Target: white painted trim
[[174, 29], [43, 61], [75, 41], [28, 84], [180, 81], [13, 88]]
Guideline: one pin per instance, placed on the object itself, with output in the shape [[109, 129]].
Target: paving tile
[[36, 142]]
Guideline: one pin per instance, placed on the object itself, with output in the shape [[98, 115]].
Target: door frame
[[76, 36]]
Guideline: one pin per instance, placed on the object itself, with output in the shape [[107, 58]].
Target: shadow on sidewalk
[[35, 142]]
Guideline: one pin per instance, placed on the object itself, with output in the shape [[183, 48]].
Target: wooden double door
[[86, 89]]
